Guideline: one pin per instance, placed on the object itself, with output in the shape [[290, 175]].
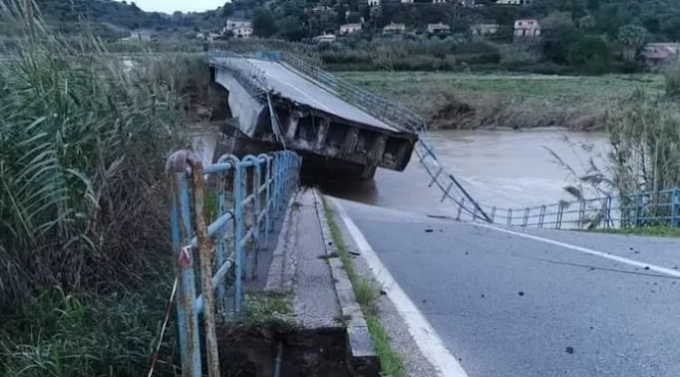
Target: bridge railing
[[221, 216], [401, 118], [253, 78]]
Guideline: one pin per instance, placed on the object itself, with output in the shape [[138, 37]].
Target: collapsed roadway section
[[273, 106]]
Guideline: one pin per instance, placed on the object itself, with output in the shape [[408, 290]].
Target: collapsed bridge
[[278, 101]]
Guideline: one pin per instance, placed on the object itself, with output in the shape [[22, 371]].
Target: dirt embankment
[[487, 111]]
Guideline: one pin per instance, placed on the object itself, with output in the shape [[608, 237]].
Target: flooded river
[[498, 168]]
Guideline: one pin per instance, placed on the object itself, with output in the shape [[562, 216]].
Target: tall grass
[[83, 204], [645, 143], [81, 147]]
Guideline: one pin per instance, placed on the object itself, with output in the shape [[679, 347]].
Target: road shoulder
[[415, 363]]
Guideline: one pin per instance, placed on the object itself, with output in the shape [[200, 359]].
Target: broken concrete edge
[[282, 269], [363, 359]]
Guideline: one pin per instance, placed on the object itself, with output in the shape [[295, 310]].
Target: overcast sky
[[169, 6]]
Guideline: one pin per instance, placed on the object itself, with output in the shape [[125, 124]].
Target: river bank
[[488, 101]]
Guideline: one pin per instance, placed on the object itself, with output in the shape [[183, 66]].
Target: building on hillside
[[200, 35], [438, 1], [142, 36], [349, 28], [407, 1], [321, 8], [528, 28], [373, 3], [655, 53], [484, 29], [325, 38], [394, 29], [233, 24], [513, 2], [468, 3], [244, 32], [212, 36], [438, 29]]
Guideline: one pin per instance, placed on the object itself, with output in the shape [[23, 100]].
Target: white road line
[[585, 250], [430, 344]]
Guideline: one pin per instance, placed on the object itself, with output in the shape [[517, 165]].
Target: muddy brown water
[[499, 168]]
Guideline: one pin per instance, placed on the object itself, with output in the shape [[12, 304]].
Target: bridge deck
[[295, 87]]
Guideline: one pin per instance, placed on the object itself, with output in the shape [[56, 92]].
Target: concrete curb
[[281, 275], [363, 360]]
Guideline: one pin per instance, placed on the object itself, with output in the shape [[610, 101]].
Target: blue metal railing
[[220, 224]]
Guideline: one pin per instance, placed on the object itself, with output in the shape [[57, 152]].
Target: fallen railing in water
[[234, 213]]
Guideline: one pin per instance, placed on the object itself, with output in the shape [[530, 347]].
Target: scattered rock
[[520, 293], [424, 300], [382, 292], [355, 253], [466, 253], [482, 296], [570, 350], [592, 328], [329, 256], [591, 269], [675, 267], [636, 252], [631, 249], [646, 267], [428, 230]]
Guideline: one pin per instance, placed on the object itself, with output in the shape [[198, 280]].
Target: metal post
[[581, 213], [525, 219], [675, 216], [221, 248], [191, 359], [509, 217], [493, 214], [560, 211], [541, 217], [205, 251], [461, 204], [238, 232]]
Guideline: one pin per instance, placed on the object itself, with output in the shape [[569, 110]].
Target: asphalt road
[[512, 305], [300, 90]]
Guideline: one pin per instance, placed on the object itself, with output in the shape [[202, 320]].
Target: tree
[[263, 23], [632, 37], [592, 54]]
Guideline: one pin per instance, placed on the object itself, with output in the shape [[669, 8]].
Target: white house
[[527, 28], [484, 29], [325, 38], [372, 3], [439, 29], [244, 31], [513, 2], [406, 1], [233, 24], [394, 29], [438, 1], [142, 35], [349, 28]]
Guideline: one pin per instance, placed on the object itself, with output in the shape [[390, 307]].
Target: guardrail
[[611, 211], [245, 72], [219, 224]]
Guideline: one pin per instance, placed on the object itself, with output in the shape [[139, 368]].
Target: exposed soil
[[251, 351], [493, 111]]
